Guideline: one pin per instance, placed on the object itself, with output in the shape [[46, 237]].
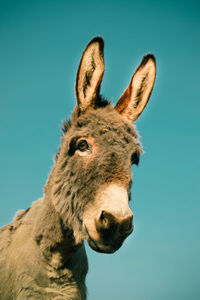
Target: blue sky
[[41, 45]]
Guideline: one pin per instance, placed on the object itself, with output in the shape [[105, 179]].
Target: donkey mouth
[[109, 246], [100, 247]]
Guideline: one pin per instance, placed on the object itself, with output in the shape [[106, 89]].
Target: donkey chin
[[109, 224]]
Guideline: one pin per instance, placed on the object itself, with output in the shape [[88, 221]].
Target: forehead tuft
[[104, 120]]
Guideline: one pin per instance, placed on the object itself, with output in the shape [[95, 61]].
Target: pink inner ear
[[124, 100], [90, 73], [134, 99]]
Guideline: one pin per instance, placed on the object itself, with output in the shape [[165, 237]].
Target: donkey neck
[[53, 238], [65, 260]]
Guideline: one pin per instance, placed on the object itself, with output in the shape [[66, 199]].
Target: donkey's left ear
[[89, 75], [135, 97]]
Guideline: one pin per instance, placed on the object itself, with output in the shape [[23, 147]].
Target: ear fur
[[135, 97], [90, 74]]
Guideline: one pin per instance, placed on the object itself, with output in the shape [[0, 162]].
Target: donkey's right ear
[[90, 74], [135, 97]]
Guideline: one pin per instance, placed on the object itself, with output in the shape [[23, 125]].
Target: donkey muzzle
[[112, 231], [109, 225], [110, 220]]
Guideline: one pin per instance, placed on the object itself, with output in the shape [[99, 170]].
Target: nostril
[[103, 219], [102, 216], [106, 219], [106, 222]]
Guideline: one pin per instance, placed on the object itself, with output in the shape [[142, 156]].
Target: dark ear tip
[[147, 57], [99, 40]]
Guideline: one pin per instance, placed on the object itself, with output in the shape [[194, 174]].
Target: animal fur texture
[[86, 197]]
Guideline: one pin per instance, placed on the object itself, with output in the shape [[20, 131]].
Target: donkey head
[[91, 179]]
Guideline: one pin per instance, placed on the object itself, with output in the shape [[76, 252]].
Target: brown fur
[[42, 254]]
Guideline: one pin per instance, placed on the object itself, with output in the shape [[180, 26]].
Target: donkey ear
[[90, 73], [135, 97]]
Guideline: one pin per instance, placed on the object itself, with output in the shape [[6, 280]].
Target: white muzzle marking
[[114, 199]]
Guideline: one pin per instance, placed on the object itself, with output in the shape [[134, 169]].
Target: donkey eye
[[82, 146], [135, 158]]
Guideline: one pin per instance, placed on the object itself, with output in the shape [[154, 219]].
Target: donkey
[[86, 197]]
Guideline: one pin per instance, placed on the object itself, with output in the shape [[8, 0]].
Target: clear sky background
[[41, 43]]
